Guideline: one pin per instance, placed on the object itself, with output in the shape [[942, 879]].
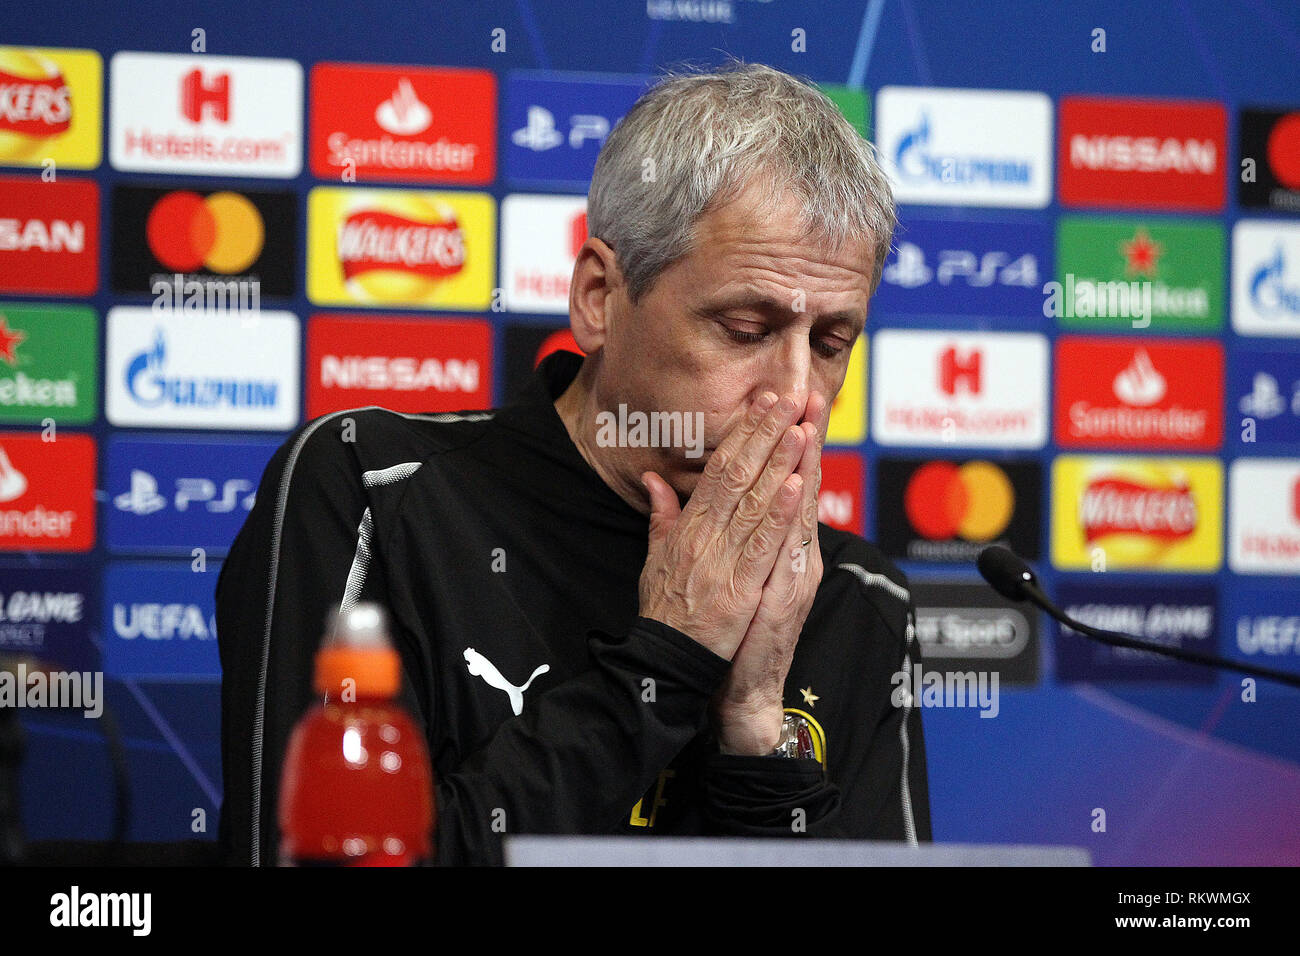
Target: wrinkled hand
[[748, 709], [708, 564]]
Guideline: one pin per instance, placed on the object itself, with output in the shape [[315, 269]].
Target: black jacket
[[488, 537]]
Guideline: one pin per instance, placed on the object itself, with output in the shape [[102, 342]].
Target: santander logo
[[403, 114], [1140, 384], [13, 483]]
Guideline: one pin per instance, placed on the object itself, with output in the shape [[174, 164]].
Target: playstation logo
[[1264, 400], [143, 498], [908, 269], [540, 134]]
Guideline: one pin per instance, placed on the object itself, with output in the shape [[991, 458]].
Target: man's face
[[754, 308]]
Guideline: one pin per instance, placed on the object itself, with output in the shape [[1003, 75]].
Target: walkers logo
[[954, 268], [1264, 394], [839, 502], [971, 625], [407, 365], [182, 371], [204, 249], [50, 104], [1151, 514], [47, 492], [1142, 153], [1270, 143], [394, 247], [540, 239], [1264, 516], [160, 621], [554, 128], [1266, 277], [1138, 393], [371, 122], [49, 236], [1177, 617], [49, 363], [981, 389], [223, 115], [169, 497], [966, 147], [949, 511], [46, 613], [848, 421], [1157, 274], [1262, 625]]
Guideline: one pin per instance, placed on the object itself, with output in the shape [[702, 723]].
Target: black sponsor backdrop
[[894, 532], [1159, 614], [134, 267], [975, 606], [1031, 776], [522, 343]]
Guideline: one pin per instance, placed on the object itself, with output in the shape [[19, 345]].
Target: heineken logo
[[1128, 272], [47, 363]]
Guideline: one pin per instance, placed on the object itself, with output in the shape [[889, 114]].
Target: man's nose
[[791, 370]]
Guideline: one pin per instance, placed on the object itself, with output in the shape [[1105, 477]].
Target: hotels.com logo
[[956, 371], [1264, 527], [208, 98], [224, 115]]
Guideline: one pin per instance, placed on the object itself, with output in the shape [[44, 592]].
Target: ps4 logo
[[1266, 400], [910, 270], [143, 497], [540, 133]]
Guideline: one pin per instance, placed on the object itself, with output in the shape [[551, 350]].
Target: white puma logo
[[480, 666]]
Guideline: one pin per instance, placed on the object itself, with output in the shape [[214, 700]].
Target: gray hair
[[695, 140]]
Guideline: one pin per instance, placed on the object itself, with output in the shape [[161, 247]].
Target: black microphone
[[1011, 577]]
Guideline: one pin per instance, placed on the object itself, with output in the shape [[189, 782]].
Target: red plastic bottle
[[357, 787]]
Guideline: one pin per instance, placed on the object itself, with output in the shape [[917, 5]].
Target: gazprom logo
[[1269, 293], [917, 163], [149, 386]]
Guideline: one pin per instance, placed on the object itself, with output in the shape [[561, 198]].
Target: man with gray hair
[[621, 636]]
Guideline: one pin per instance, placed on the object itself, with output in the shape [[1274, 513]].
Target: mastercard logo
[[1284, 150], [973, 501], [222, 233], [561, 340]]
